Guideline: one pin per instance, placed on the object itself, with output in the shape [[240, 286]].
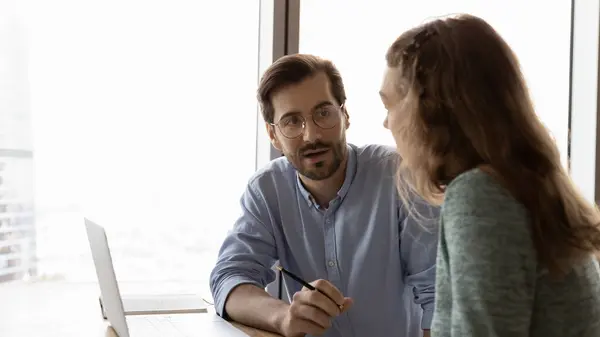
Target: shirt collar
[[351, 165]]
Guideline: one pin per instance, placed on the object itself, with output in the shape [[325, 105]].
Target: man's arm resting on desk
[[253, 306], [311, 312], [244, 266]]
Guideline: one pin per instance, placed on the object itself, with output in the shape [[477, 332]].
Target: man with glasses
[[330, 214]]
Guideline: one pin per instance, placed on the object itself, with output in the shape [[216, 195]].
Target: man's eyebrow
[[296, 112], [289, 113], [321, 104]]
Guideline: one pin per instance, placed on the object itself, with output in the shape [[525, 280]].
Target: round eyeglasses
[[325, 117]]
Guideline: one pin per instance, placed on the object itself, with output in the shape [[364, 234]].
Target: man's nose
[[312, 132]]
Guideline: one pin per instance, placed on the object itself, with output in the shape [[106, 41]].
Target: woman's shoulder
[[478, 207], [477, 192]]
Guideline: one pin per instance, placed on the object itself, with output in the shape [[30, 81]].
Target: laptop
[[153, 315]]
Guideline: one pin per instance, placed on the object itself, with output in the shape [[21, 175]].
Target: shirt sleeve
[[492, 264], [248, 251], [418, 248]]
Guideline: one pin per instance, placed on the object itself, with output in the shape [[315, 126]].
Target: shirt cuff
[[426, 319], [225, 289]]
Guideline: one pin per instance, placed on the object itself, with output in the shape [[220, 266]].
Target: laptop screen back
[[109, 289]]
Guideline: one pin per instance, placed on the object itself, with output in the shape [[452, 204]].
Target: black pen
[[308, 285]]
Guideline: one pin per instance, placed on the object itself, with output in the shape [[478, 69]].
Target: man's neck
[[323, 191]]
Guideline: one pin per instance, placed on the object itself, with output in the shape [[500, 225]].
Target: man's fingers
[[329, 290], [313, 315], [348, 302], [321, 301], [317, 300], [312, 312]]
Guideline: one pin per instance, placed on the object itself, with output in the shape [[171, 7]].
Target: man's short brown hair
[[293, 69]]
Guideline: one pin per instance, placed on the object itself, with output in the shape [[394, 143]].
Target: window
[[127, 112], [539, 35], [143, 117], [17, 233]]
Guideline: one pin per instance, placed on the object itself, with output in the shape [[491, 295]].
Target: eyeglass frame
[[312, 116]]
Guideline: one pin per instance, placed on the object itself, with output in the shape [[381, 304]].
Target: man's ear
[[346, 118], [272, 136]]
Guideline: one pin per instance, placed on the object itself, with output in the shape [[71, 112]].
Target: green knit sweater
[[488, 280]]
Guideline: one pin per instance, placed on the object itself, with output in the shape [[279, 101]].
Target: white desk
[[52, 309]]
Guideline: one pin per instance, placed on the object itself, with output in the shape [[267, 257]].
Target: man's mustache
[[313, 146]]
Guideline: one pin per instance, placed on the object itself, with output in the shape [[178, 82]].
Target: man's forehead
[[303, 96]]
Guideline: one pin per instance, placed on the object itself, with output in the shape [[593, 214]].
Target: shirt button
[[331, 263], [328, 221]]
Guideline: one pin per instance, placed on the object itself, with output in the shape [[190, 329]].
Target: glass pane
[[358, 49], [17, 233], [138, 125]]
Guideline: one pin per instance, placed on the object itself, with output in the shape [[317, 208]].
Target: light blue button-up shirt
[[364, 243]]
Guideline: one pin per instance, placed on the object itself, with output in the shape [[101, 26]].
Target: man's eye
[[292, 121], [324, 113]]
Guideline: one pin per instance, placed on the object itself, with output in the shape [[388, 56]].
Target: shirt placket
[[333, 272], [331, 260]]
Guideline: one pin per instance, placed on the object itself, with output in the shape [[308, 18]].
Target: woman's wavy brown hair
[[467, 106]]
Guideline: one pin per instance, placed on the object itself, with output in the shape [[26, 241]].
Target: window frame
[[583, 152], [584, 158], [278, 36]]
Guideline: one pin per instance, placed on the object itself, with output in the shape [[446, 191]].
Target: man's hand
[[426, 333], [311, 311]]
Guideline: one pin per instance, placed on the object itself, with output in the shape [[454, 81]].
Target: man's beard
[[323, 169]]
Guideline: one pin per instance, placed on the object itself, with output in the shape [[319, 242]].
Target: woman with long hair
[[518, 243]]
